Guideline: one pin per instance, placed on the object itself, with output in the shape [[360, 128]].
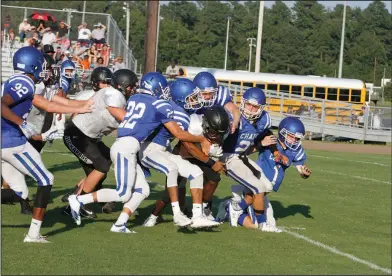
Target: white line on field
[[356, 161], [359, 177], [292, 228], [338, 252]]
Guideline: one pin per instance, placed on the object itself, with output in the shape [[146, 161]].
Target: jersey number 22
[[135, 112]]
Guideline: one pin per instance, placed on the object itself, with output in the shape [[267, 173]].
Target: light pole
[[259, 35], [84, 10], [227, 40], [126, 8], [158, 27], [342, 41], [250, 39]]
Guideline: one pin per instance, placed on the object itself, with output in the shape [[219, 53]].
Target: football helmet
[[185, 93], [125, 81], [100, 75], [29, 60], [291, 131], [252, 103], [216, 124], [208, 86], [155, 84], [68, 65]]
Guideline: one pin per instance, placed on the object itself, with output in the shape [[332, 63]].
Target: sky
[[332, 4]]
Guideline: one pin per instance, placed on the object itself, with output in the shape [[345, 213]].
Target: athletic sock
[[35, 227], [122, 219], [175, 207], [197, 210]]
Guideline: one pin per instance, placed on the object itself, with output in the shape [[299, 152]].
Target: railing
[[114, 36], [326, 117]]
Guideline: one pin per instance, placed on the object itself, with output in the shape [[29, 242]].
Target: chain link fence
[[114, 36]]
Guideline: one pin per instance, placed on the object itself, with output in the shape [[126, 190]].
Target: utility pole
[[227, 41], [150, 40], [158, 27], [383, 85], [84, 10], [250, 39], [259, 36], [342, 40]]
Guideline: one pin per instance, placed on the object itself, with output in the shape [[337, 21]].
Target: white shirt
[[98, 34], [173, 71], [84, 33], [48, 38], [118, 66]]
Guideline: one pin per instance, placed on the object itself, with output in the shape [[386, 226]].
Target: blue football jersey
[[222, 98], [242, 138], [263, 123], [65, 84], [144, 114], [21, 88], [181, 117], [275, 171]]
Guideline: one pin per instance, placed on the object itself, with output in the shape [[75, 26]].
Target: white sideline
[[359, 177], [356, 161], [338, 252]]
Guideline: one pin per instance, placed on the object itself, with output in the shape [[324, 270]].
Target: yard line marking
[[363, 162], [359, 177], [292, 228], [338, 252]]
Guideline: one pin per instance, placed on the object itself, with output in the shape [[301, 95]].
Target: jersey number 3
[[135, 112]]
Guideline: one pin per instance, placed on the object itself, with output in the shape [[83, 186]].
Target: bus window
[[320, 92], [332, 94], [296, 90], [308, 91], [260, 85], [343, 94], [246, 85], [284, 88], [273, 87], [235, 86], [356, 96]]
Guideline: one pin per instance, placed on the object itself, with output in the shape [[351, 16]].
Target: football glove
[[28, 129], [52, 134], [215, 151]]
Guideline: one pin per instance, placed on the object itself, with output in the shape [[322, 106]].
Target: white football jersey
[[195, 125], [37, 116], [84, 95], [100, 122]]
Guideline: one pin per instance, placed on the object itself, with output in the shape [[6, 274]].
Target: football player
[[255, 121], [185, 100], [19, 158], [213, 95], [145, 112], [290, 133], [84, 132]]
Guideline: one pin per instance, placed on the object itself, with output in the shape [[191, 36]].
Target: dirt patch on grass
[[340, 147]]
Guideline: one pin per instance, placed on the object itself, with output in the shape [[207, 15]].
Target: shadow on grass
[[281, 212]]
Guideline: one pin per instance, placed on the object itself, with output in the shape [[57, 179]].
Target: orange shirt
[[85, 63]]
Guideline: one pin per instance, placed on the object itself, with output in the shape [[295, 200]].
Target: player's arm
[[76, 103], [117, 112], [7, 113], [199, 155], [233, 109], [304, 171], [54, 107]]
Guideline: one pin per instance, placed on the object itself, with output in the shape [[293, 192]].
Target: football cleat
[[223, 213], [75, 208], [151, 221], [25, 207], [203, 222], [269, 228], [208, 213], [181, 220], [121, 229], [235, 212], [108, 207], [38, 239], [65, 197]]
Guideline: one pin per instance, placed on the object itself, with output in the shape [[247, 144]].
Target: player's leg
[[141, 191], [27, 161]]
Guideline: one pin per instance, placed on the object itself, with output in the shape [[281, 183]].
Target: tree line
[[302, 40]]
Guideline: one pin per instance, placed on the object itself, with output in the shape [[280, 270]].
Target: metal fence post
[[235, 94], [25, 13], [366, 123], [108, 29], [281, 106], [322, 120]]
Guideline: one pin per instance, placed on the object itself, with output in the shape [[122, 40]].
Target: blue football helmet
[[186, 94], [155, 84], [30, 61], [291, 131], [68, 65], [208, 86], [254, 97]]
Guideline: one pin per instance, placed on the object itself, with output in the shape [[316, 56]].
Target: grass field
[[343, 216]]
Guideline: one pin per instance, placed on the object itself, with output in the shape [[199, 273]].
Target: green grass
[[350, 214]]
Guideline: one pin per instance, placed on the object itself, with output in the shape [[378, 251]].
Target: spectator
[[49, 37], [98, 34], [99, 63], [62, 32], [48, 49], [92, 54], [58, 54], [173, 70], [85, 63], [84, 34], [61, 59], [24, 28], [7, 27], [118, 64], [31, 39], [77, 49], [41, 28], [67, 55], [105, 54]]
